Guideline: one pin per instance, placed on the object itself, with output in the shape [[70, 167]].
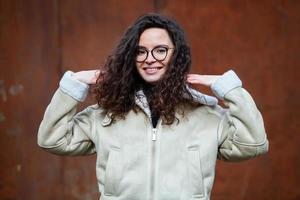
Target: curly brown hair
[[116, 88]]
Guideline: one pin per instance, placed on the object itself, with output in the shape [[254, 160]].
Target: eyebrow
[[160, 45]]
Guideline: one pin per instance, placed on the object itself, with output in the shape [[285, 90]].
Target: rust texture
[[39, 40]]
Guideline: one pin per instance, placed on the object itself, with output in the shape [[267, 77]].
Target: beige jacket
[[171, 162]]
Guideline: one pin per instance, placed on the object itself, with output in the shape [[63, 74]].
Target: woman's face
[[154, 52]]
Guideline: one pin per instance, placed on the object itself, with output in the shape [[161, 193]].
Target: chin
[[151, 80]]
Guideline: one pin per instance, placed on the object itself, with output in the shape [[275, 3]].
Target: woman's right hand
[[88, 77]]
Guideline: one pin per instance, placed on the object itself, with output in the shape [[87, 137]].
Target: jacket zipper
[[153, 156], [154, 132]]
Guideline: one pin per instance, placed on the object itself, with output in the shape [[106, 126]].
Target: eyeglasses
[[159, 53]]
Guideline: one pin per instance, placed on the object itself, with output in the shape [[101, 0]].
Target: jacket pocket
[[113, 172], [195, 173]]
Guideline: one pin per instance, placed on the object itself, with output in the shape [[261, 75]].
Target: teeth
[[152, 69]]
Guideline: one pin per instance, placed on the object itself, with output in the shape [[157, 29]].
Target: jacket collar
[[198, 97], [202, 98], [141, 101]]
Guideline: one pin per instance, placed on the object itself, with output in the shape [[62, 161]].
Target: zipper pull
[[154, 134]]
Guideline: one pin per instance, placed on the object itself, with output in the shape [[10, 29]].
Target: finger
[[192, 75], [197, 78], [206, 80], [197, 81], [97, 72]]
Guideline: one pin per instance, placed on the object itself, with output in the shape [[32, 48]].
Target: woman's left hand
[[206, 80]]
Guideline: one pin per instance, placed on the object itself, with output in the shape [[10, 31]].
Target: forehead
[[152, 37]]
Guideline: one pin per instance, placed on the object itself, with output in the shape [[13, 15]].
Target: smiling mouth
[[151, 70]]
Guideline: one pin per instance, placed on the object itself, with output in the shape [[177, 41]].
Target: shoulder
[[200, 109], [216, 110], [93, 111]]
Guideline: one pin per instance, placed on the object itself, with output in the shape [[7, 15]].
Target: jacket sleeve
[[62, 131], [241, 132]]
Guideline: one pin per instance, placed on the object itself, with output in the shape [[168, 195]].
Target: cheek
[[168, 59], [139, 67]]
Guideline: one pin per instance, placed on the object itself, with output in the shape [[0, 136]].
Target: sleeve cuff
[[71, 86], [227, 82]]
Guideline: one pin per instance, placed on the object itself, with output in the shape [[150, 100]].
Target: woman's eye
[[160, 50], [141, 52]]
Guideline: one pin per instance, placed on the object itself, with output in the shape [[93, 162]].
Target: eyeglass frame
[[147, 50]]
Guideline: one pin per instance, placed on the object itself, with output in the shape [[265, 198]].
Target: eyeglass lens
[[159, 53]]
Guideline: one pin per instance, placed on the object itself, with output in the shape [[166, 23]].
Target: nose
[[150, 59]]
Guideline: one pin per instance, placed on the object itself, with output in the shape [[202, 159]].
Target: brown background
[[40, 39]]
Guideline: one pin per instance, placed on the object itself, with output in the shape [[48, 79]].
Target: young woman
[[155, 137]]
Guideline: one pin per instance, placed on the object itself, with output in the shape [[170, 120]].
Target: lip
[[152, 70], [159, 67]]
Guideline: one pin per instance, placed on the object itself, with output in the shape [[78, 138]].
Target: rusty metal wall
[[39, 40], [28, 74]]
